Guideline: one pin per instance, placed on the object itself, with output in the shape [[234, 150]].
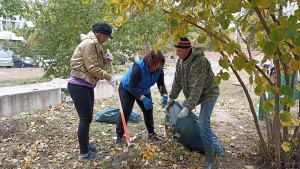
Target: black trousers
[[83, 98], [127, 101]]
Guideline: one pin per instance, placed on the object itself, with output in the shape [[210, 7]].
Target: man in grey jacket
[[195, 77]]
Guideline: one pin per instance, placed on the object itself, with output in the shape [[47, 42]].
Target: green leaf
[[276, 36], [217, 79], [238, 63], [297, 41], [288, 101], [225, 75], [250, 66], [201, 39], [286, 90], [233, 7], [269, 48], [285, 116], [259, 90], [286, 58], [224, 63], [174, 23], [267, 106], [290, 33], [297, 14], [224, 23], [230, 48]]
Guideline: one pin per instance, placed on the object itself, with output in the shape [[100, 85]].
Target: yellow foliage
[[295, 121], [275, 89], [285, 146], [115, 1], [147, 153], [85, 1], [285, 123], [298, 87], [226, 140]]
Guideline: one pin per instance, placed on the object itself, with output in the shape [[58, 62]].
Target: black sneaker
[[118, 142]]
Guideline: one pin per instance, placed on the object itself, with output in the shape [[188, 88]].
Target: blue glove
[[148, 104], [164, 100]]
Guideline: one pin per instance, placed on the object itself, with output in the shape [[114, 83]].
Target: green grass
[[6, 83]]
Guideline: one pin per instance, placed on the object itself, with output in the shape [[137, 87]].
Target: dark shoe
[[89, 156], [209, 157], [153, 136], [94, 149], [118, 142]]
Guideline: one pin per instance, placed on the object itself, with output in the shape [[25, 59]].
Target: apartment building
[[7, 27]]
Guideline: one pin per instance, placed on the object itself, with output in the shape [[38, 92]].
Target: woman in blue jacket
[[135, 86]]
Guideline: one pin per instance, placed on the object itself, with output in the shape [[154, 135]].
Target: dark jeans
[[127, 101], [83, 98]]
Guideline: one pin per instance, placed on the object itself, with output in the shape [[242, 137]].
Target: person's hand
[[113, 82], [170, 103], [148, 104], [109, 56], [184, 112], [164, 100]]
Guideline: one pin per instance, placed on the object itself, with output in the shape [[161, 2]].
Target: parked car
[[48, 63], [29, 62], [5, 60], [23, 62], [18, 62]]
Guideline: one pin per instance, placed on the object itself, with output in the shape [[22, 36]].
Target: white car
[[6, 60]]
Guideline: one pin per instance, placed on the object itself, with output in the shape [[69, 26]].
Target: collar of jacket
[[196, 52], [92, 36]]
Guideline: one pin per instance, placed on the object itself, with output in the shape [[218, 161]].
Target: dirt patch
[[20, 73]]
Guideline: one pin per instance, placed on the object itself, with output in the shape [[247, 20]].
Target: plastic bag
[[189, 130], [111, 115]]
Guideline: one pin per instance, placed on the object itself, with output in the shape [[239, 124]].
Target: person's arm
[[91, 63], [161, 84], [135, 78], [197, 80], [176, 86]]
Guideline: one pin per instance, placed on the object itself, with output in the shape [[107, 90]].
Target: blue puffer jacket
[[147, 81]]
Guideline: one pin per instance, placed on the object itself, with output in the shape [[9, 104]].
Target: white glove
[[109, 56], [170, 103], [184, 112], [113, 82]]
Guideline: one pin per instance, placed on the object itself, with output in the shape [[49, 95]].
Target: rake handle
[[121, 111]]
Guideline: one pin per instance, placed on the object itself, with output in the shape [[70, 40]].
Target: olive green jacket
[[196, 78], [87, 61]]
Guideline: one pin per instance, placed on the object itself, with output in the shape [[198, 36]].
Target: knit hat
[[184, 43], [103, 28]]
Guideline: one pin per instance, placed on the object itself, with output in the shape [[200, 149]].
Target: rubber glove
[[184, 112], [109, 56], [113, 82], [148, 104], [170, 103], [164, 100]]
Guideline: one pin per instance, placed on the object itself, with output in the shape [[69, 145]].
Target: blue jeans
[[207, 107]]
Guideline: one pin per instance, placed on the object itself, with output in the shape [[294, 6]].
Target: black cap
[[103, 28]]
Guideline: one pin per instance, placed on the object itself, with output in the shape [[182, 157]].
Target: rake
[[127, 153]]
